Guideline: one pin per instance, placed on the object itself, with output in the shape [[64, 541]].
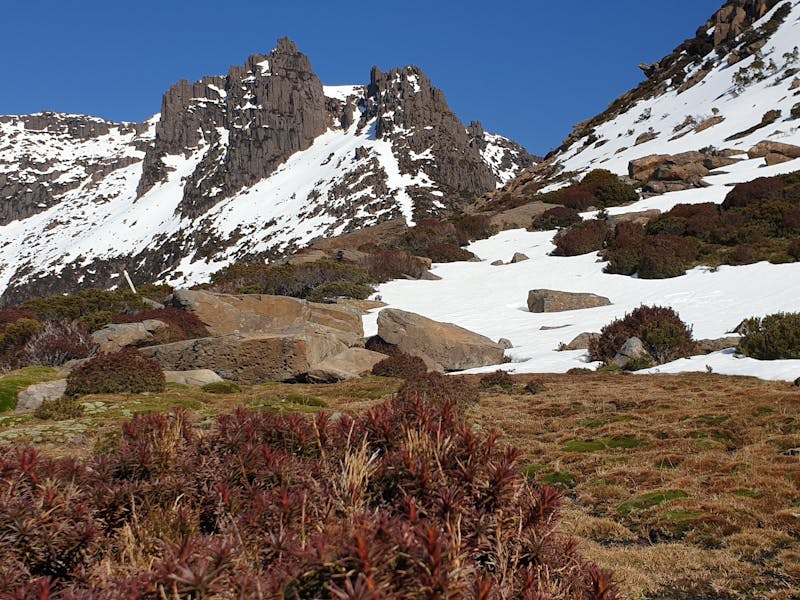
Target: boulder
[[505, 343], [546, 301], [226, 314], [642, 169], [633, 349], [116, 336], [518, 257], [762, 149], [715, 345], [193, 378], [497, 263], [350, 364], [32, 396], [450, 346], [582, 341], [428, 276], [255, 358], [642, 217], [773, 158]]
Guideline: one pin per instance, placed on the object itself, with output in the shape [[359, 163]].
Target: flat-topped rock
[[546, 301], [34, 395]]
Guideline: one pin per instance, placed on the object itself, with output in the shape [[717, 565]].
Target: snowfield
[[492, 300]]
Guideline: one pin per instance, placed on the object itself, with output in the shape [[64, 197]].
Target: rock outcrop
[[669, 173], [346, 365], [632, 351], [116, 336], [445, 344], [225, 314], [547, 301], [193, 378], [252, 359]]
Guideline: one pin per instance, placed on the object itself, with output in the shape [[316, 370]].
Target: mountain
[[734, 84], [255, 163]]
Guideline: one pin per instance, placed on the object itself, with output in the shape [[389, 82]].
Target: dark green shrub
[[573, 197], [624, 253], [96, 320], [84, 303], [557, 217], [339, 289], [221, 387], [402, 366], [126, 371], [773, 337], [585, 237], [665, 256], [377, 344], [59, 409], [795, 112], [608, 189], [659, 328], [17, 333], [764, 189]]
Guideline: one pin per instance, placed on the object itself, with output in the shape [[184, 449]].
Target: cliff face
[[252, 120]]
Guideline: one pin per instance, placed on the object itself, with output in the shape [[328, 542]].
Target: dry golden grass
[[679, 483]]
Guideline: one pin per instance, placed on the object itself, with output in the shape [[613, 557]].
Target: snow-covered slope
[[713, 99], [224, 172], [492, 300]]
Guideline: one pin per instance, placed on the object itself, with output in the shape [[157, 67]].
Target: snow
[[343, 92]]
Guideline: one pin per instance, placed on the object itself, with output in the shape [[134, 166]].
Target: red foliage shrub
[[556, 218], [405, 501], [442, 252], [9, 315], [473, 227], [183, 325], [439, 389], [624, 252], [762, 189], [116, 372], [793, 249], [585, 237], [573, 197], [660, 328], [498, 379], [401, 366], [58, 342]]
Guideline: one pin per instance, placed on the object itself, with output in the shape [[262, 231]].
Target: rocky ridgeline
[[253, 119]]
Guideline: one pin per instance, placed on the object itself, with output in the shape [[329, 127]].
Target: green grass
[[650, 500], [562, 479], [305, 400], [13, 382], [602, 443], [221, 387]]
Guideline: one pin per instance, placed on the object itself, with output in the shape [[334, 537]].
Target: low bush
[[182, 325], [444, 252], [10, 315], [57, 343], [557, 217], [773, 337], [125, 371], [439, 389], [384, 265], [498, 379], [378, 344], [624, 252], [221, 387], [664, 335], [795, 112], [340, 289], [608, 189], [402, 366], [764, 189], [473, 227], [13, 338], [585, 237], [793, 249], [84, 304], [59, 409], [664, 256]]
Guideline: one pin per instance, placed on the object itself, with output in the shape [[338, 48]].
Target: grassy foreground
[[685, 485]]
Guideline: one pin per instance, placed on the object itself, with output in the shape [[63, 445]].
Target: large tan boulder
[[226, 314], [116, 336], [547, 301], [255, 358], [350, 364], [450, 346], [34, 395], [193, 378], [766, 147]]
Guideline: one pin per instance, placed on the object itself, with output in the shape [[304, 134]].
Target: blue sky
[[527, 69]]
